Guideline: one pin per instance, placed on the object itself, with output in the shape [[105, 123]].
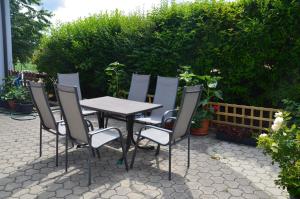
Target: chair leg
[[56, 160], [98, 153], [41, 139], [93, 152], [157, 150], [170, 155], [66, 165], [134, 152], [124, 154], [188, 164], [106, 122], [89, 166]]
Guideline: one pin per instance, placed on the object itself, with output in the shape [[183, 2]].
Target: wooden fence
[[257, 118], [29, 76]]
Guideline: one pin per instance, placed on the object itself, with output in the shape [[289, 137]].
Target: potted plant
[[7, 93], [236, 134], [23, 100], [205, 111], [282, 143]]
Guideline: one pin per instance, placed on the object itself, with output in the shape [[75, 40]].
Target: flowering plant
[[209, 93], [282, 143]]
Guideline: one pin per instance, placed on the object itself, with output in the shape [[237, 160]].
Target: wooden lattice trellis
[[257, 118]]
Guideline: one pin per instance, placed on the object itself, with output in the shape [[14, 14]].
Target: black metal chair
[[47, 119], [181, 129], [77, 127], [72, 79], [137, 92]]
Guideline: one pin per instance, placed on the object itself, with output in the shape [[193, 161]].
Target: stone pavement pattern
[[218, 169]]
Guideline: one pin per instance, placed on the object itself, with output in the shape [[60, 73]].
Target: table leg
[[129, 127], [100, 117], [130, 139]]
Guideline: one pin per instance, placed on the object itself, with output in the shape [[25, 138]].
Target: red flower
[[216, 108]]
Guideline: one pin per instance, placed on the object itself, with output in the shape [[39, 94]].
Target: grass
[[25, 67]]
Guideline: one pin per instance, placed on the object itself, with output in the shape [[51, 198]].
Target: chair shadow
[[148, 178]]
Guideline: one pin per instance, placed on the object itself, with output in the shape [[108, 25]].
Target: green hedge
[[254, 43]]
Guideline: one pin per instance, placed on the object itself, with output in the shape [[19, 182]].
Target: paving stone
[[108, 193], [63, 192], [241, 171]]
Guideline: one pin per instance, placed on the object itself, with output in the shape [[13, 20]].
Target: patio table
[[121, 107]]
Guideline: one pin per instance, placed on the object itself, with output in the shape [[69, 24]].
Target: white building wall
[[1, 48], [5, 33], [8, 35]]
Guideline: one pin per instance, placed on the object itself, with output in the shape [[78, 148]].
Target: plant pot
[[11, 104], [201, 131], [25, 108], [169, 125], [235, 134], [3, 103]]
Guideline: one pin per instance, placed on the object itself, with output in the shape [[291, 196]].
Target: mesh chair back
[[70, 79], [165, 94], [40, 101], [139, 87], [189, 105], [71, 109]]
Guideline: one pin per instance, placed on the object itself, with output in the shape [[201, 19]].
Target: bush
[[255, 44], [282, 143]]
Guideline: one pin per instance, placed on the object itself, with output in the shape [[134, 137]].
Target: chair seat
[[86, 112], [104, 137], [148, 120], [156, 135]]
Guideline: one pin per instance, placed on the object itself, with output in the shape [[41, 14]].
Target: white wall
[[1, 48], [7, 32], [8, 35]]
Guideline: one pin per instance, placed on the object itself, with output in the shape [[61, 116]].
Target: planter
[[169, 125], [3, 104], [235, 134], [25, 108], [11, 104], [201, 131]]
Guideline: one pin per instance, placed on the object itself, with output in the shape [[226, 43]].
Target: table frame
[[129, 119]]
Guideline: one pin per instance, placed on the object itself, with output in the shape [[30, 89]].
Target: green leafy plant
[[210, 92], [282, 143], [13, 91], [116, 74], [242, 39]]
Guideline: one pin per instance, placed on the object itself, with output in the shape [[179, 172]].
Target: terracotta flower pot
[[201, 131]]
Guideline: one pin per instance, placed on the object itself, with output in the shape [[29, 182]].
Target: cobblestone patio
[[218, 169]]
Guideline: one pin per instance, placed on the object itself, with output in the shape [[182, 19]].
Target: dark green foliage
[[255, 44], [27, 23]]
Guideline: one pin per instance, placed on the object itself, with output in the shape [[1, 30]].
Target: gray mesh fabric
[[139, 87], [70, 79], [165, 94], [188, 106], [72, 112], [41, 103], [102, 138]]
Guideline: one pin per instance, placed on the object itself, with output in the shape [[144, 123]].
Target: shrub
[[255, 44], [282, 143]]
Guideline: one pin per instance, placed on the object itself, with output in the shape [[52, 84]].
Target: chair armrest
[[89, 124], [91, 133], [55, 110], [165, 118]]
